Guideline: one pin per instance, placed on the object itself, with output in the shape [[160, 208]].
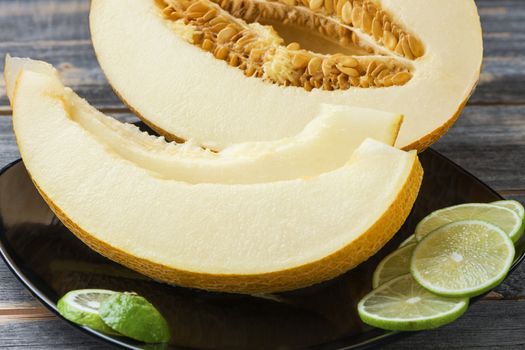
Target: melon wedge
[[325, 144], [246, 238], [418, 58]]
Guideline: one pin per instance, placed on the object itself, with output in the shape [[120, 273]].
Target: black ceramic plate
[[50, 261]]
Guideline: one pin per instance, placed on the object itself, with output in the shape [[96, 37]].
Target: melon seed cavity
[[232, 32]]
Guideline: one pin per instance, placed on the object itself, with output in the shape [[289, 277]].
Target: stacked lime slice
[[409, 240], [497, 214], [455, 253], [394, 265]]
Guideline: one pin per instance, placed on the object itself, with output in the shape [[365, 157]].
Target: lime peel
[[502, 217], [409, 240], [512, 205], [134, 317], [393, 265]]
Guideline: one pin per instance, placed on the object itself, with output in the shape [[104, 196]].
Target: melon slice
[[325, 144], [224, 72], [246, 238]]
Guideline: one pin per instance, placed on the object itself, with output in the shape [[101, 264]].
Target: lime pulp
[[464, 258], [81, 307]]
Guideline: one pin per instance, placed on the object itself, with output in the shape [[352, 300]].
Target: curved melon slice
[[325, 144], [247, 238], [418, 58]]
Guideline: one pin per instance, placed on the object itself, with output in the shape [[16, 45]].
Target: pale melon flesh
[[248, 238], [325, 144], [183, 91]]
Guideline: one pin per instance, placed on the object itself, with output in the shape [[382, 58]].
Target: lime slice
[[403, 305], [134, 317], [504, 218], [464, 258], [410, 239], [393, 265], [512, 205], [81, 307]]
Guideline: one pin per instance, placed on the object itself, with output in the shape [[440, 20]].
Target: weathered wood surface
[[489, 141]]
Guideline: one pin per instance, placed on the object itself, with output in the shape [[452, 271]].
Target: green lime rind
[[504, 218], [84, 315], [463, 259], [134, 317], [393, 265], [403, 305], [409, 240], [518, 209], [512, 205]]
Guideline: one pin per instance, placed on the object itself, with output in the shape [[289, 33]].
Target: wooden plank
[[57, 31], [489, 141], [11, 291], [78, 67], [486, 325], [43, 20], [53, 333], [23, 313]]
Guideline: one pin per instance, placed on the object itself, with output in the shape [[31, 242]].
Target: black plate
[[50, 261]]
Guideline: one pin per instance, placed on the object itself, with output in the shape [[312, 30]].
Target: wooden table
[[488, 140]]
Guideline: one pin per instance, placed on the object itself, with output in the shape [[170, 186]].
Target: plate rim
[[387, 337]]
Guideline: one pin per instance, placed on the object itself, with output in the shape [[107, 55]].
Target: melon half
[[236, 237], [230, 71]]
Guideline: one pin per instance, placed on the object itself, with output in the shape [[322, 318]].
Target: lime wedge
[[410, 239], [464, 258], [504, 218], [81, 307], [134, 317], [512, 205], [403, 305], [393, 265]]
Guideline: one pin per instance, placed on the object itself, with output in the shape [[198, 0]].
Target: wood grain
[[486, 325], [21, 313]]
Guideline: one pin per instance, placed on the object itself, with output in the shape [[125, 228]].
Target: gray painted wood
[[486, 325], [488, 140]]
